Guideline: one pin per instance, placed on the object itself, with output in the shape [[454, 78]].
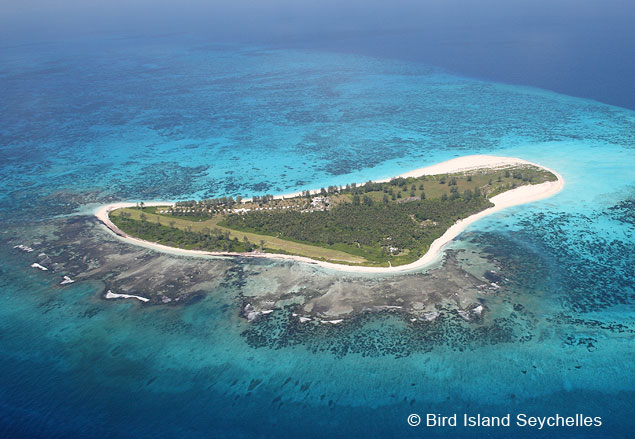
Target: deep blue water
[[577, 47], [152, 119]]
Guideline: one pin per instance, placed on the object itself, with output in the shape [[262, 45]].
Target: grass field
[[271, 243]]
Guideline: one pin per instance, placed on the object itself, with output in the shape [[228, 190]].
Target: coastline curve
[[514, 197]]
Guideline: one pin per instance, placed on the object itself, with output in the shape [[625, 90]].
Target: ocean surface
[[156, 119]]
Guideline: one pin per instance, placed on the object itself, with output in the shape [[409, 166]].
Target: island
[[394, 224]]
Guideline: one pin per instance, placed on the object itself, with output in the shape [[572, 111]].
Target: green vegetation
[[375, 224], [206, 239], [376, 232], [130, 221]]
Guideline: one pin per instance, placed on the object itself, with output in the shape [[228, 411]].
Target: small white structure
[[320, 202]]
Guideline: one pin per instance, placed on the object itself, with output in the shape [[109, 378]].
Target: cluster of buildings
[[317, 203], [320, 202]]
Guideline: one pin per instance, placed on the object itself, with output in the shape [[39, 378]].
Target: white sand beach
[[514, 197], [111, 295]]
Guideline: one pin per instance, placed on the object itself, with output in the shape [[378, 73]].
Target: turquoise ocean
[[156, 119]]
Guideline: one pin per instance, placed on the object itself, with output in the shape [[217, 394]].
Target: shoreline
[[514, 197]]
